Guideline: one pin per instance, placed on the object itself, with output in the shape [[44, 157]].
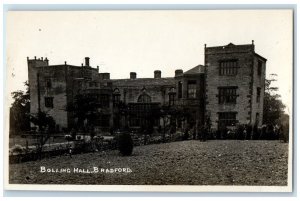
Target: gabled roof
[[260, 57], [196, 70], [144, 82]]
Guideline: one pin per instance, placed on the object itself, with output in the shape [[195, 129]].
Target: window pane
[[258, 94], [227, 119], [49, 102], [191, 89], [144, 98], [259, 67], [227, 95], [228, 67]]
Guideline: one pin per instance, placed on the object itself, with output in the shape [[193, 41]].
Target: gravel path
[[179, 163]]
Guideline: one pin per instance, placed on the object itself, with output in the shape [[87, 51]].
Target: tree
[[45, 122], [84, 108], [273, 106], [19, 111], [46, 126]]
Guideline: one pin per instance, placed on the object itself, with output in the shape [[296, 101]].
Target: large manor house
[[227, 90]]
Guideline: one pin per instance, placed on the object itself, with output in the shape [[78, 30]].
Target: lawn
[[218, 162]]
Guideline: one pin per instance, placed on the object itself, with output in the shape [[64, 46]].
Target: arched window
[[172, 93], [144, 98], [116, 91], [172, 90], [179, 89], [116, 97]]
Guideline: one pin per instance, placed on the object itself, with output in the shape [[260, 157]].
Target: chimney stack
[[132, 75], [105, 76], [87, 61], [178, 72], [47, 61], [157, 74]]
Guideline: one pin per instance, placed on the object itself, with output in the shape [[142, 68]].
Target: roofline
[[62, 65], [191, 74], [227, 45], [142, 78], [260, 57], [200, 65]]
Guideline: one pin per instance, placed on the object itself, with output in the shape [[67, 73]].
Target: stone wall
[[33, 65], [157, 88], [258, 81], [64, 81], [243, 80]]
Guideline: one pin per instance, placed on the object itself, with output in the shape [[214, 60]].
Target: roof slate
[[196, 70], [144, 82]]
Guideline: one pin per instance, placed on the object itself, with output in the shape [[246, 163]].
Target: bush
[[239, 132], [17, 149], [185, 136], [284, 133], [125, 144], [248, 132], [256, 132]]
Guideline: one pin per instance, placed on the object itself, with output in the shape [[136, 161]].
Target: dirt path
[[188, 162]]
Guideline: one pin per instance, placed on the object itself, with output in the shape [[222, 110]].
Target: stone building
[[53, 87], [228, 89], [235, 79]]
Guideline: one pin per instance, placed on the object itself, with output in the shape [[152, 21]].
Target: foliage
[[273, 106], [45, 122], [19, 111], [17, 149], [84, 107], [284, 135], [46, 125], [125, 144]]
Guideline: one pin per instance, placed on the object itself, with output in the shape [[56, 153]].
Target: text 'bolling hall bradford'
[[227, 90]]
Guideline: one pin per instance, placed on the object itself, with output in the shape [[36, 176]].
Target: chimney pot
[[87, 61], [178, 72], [157, 74], [132, 75]]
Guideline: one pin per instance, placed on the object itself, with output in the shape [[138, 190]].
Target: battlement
[[230, 48], [37, 59], [37, 62]]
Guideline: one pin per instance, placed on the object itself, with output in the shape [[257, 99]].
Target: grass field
[[216, 162]]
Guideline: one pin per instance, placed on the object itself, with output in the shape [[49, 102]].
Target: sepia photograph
[[149, 100]]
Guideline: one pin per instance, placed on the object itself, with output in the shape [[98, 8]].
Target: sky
[[120, 42]]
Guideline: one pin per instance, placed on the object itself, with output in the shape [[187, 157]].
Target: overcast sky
[[144, 41]]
